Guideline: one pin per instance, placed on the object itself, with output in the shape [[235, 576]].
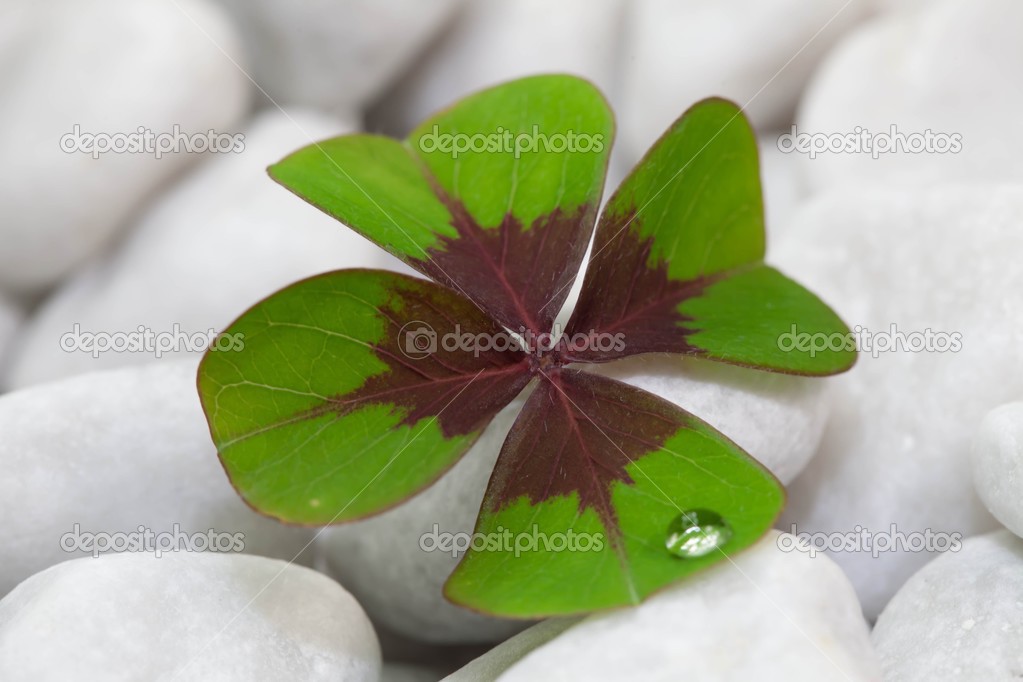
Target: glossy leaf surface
[[677, 262], [584, 495], [343, 400], [495, 197]]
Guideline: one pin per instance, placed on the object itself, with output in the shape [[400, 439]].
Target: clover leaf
[[357, 389]]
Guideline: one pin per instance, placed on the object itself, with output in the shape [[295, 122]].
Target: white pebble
[[213, 246], [956, 617], [493, 663], [949, 67], [190, 617], [895, 451], [776, 418], [759, 53], [10, 319], [109, 452], [494, 41], [107, 67], [997, 459], [335, 55], [767, 615]]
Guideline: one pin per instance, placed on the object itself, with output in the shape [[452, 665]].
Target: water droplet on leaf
[[697, 532]]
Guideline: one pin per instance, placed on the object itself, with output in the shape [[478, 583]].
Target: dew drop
[[697, 532]]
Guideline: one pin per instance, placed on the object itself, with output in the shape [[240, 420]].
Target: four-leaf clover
[[357, 389]]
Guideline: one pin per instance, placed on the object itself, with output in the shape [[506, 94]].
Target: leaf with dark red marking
[[354, 390], [677, 262], [495, 197], [587, 489], [348, 395]]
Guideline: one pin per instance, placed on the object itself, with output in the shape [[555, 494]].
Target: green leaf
[[336, 398], [696, 195], [505, 221], [677, 262], [750, 318], [589, 491]]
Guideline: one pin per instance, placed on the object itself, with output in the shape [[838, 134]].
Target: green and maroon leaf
[[604, 494], [495, 197], [344, 394], [677, 262]]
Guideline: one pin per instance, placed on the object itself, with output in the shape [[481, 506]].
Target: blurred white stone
[[106, 67], [759, 54], [191, 616], [959, 617], [896, 447], [399, 584], [492, 664], [220, 241], [997, 458], [783, 186], [10, 318], [335, 55], [776, 418], [493, 41], [110, 452], [399, 650], [767, 615], [950, 67], [404, 672], [898, 5]]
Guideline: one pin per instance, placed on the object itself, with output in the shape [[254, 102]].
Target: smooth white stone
[[776, 418], [108, 66], [220, 241], [898, 5], [403, 672], [757, 53], [997, 459], [191, 617], [896, 448], [949, 67], [492, 664], [766, 615], [957, 618], [11, 318], [112, 451], [493, 41], [783, 186], [335, 55]]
